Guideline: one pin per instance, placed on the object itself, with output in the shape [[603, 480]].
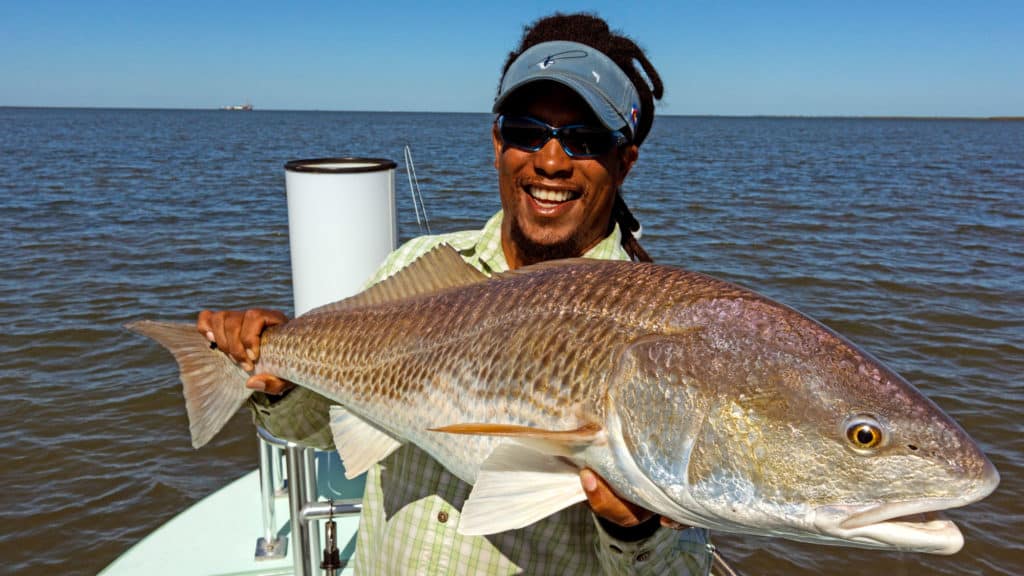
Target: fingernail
[[250, 354], [589, 481], [256, 384], [247, 366]]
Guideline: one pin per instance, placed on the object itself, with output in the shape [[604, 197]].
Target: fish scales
[[506, 351]]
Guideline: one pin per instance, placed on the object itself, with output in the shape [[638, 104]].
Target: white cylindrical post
[[341, 225]]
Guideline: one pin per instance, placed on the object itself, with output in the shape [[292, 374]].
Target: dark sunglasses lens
[[523, 133], [585, 141]]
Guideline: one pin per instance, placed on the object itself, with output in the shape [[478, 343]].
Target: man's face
[[555, 206]]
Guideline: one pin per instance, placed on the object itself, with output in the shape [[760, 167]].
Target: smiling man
[[559, 169], [571, 113]]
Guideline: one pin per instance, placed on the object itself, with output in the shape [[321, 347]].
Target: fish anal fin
[[439, 269], [359, 443], [517, 486]]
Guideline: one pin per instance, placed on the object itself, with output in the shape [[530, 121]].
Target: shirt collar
[[489, 253]]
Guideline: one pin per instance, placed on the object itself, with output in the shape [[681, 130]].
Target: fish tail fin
[[214, 386]]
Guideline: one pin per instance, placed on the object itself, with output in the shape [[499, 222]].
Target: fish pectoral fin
[[359, 443], [517, 486], [551, 442]]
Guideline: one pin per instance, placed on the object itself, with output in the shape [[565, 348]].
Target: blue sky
[[939, 58]]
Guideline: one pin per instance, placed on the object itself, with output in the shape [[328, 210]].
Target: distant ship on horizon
[[247, 107]]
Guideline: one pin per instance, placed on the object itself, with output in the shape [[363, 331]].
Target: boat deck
[[218, 534]]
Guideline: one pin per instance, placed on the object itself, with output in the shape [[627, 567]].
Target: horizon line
[[694, 115]]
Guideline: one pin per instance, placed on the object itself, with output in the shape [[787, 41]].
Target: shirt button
[[442, 516]]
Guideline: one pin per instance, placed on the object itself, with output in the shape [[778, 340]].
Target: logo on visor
[[549, 60]]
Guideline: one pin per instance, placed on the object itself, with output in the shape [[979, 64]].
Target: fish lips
[[907, 526], [917, 526]]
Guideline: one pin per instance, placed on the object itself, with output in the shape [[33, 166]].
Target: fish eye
[[864, 433]]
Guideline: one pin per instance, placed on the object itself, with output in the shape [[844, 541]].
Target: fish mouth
[[910, 526], [913, 526]]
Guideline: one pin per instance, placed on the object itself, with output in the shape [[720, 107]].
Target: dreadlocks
[[594, 32]]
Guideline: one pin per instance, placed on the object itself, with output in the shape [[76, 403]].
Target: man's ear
[[627, 157], [496, 139]]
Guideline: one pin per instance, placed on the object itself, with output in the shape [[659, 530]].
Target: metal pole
[[266, 487], [277, 469], [269, 545], [311, 496], [324, 510], [300, 529]]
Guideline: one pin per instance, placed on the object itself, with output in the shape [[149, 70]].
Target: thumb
[[269, 384]]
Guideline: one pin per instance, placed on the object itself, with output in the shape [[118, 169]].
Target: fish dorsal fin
[[359, 443], [439, 269]]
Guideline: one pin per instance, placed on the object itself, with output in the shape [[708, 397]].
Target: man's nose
[[551, 159]]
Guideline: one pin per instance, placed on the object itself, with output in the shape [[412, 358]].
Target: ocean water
[[907, 236]]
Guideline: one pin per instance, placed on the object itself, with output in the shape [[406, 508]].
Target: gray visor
[[588, 72]]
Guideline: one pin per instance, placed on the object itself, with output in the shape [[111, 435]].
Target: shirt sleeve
[[666, 551], [301, 416]]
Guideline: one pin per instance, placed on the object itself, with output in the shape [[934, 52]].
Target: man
[[569, 126]]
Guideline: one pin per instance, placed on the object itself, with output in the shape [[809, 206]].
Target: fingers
[[269, 384], [227, 331], [254, 322], [669, 523], [205, 325], [608, 505], [237, 333], [211, 325]]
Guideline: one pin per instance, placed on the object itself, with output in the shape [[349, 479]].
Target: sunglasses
[[578, 140]]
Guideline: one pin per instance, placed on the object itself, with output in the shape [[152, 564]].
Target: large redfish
[[693, 397]]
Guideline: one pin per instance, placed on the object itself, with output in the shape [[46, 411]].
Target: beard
[[533, 252]]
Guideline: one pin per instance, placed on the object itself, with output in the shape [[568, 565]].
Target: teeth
[[549, 195]]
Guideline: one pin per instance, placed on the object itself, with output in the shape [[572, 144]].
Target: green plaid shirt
[[412, 505]]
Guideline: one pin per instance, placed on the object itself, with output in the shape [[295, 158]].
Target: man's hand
[[237, 334], [607, 504]]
